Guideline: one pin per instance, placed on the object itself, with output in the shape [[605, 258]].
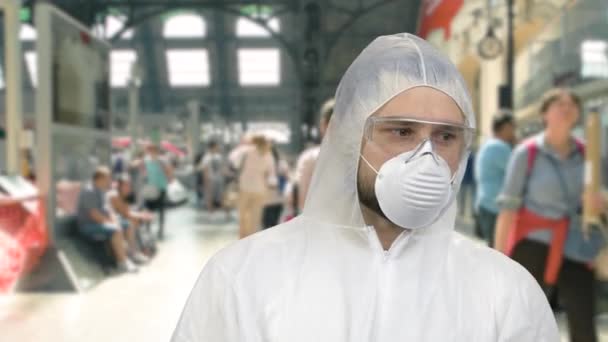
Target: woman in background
[[257, 177], [544, 183]]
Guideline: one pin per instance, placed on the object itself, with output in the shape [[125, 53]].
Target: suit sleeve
[[211, 311], [527, 316]]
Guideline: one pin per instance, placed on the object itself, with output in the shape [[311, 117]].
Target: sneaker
[[139, 258], [127, 267]]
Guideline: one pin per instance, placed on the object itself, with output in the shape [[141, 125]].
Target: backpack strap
[[532, 148], [580, 146]]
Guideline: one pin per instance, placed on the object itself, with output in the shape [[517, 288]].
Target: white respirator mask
[[414, 187]]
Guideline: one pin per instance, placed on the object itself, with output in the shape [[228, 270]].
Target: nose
[[424, 148]]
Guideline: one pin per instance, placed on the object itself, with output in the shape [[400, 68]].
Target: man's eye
[[447, 136], [403, 132]]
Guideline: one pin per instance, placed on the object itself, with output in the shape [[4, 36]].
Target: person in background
[[214, 168], [544, 182], [235, 157], [274, 205], [490, 168], [118, 162], [95, 219], [256, 179], [136, 172], [157, 180], [466, 196], [198, 176], [130, 220], [307, 160]]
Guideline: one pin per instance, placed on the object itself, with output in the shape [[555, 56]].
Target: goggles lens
[[399, 135]]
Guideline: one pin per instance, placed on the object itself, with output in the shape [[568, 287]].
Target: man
[[214, 171], [374, 256], [158, 175], [130, 220], [490, 171], [235, 157], [466, 196], [308, 158], [96, 222]]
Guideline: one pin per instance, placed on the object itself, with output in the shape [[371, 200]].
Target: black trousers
[[486, 220], [158, 205], [575, 288], [271, 215]]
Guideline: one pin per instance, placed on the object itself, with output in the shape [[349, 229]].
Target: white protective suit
[[324, 276]]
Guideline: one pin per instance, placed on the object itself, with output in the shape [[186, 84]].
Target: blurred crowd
[[254, 177], [122, 201]]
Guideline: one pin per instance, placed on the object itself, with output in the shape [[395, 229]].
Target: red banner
[[437, 14]]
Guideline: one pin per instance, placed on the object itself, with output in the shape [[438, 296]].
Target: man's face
[[323, 124], [508, 133], [421, 103], [153, 151], [104, 183], [125, 188]]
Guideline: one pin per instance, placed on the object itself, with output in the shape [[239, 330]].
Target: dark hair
[[100, 172], [500, 120], [212, 144], [327, 110], [554, 94], [122, 179]]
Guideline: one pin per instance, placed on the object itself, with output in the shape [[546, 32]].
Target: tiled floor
[[139, 307]]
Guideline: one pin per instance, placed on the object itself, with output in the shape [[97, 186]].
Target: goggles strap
[[368, 164]]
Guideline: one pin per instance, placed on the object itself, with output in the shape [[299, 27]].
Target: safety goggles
[[397, 135]]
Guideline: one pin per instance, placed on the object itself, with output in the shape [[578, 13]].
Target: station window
[[188, 67], [122, 62], [31, 61], [259, 67]]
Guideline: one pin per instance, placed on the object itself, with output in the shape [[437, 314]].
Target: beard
[[367, 196]]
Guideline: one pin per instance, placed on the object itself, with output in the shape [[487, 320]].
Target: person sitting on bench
[[130, 220], [95, 221]]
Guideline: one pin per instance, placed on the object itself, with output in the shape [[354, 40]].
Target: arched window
[[185, 26], [114, 24], [247, 28]]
